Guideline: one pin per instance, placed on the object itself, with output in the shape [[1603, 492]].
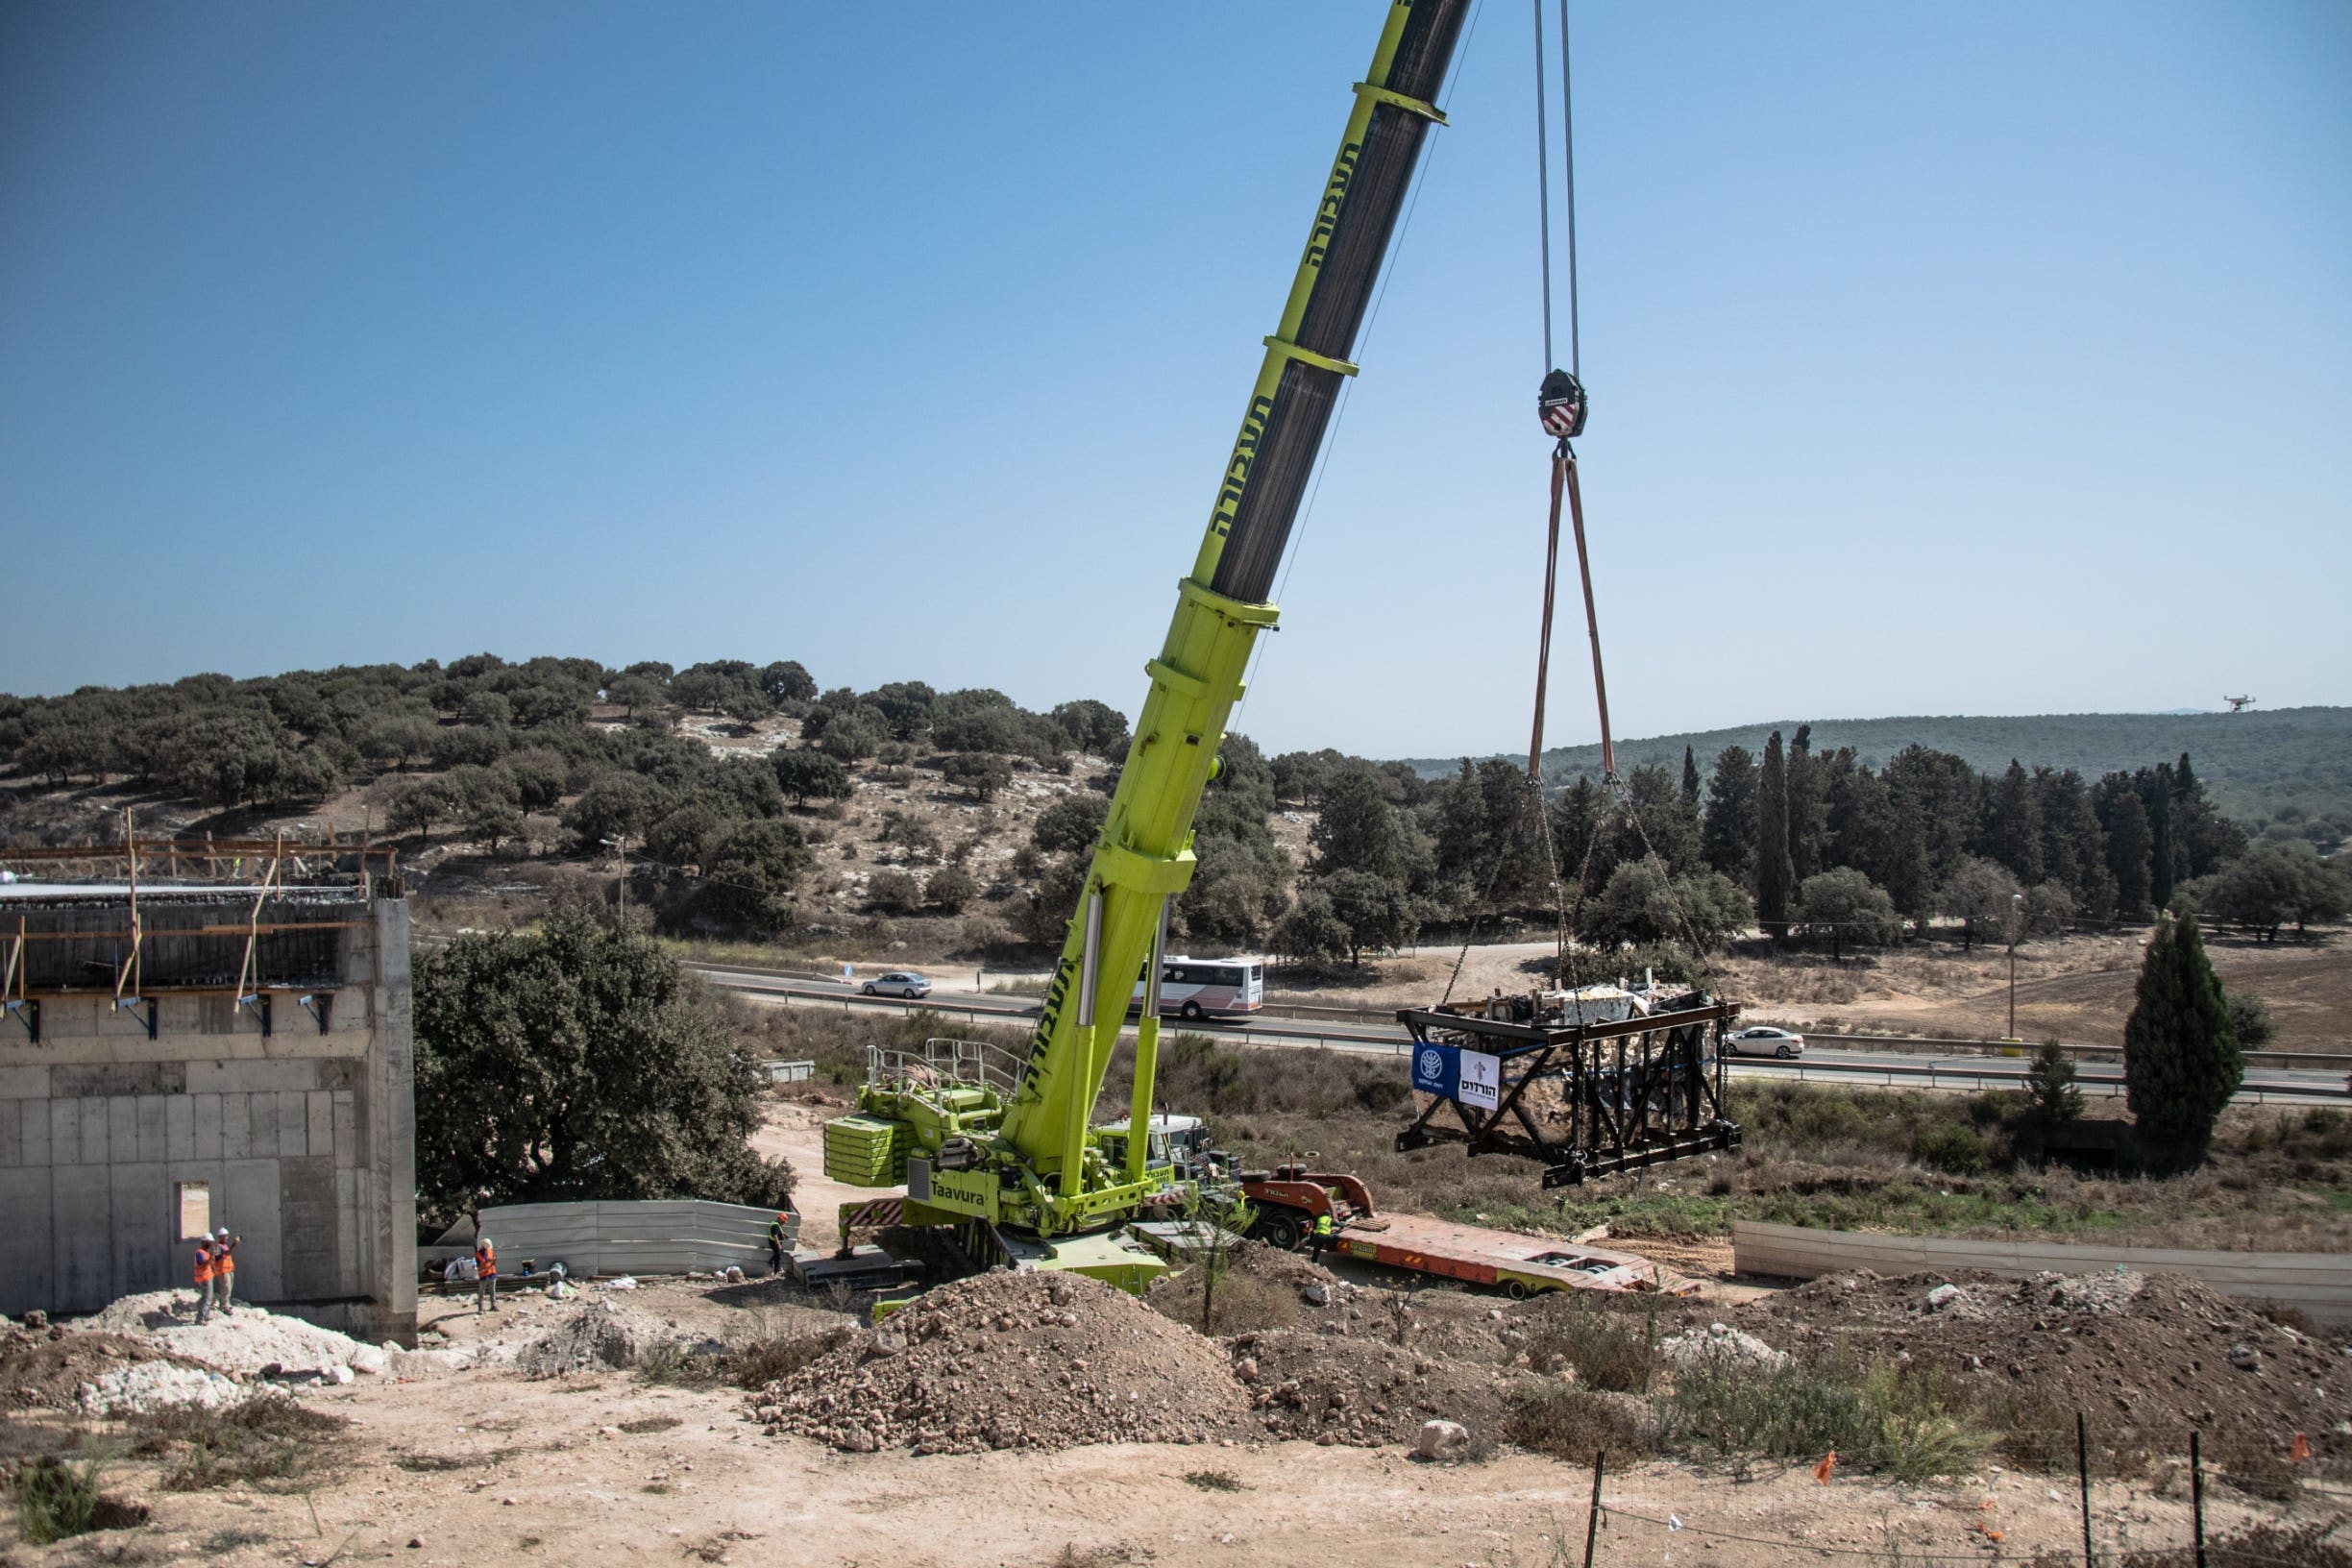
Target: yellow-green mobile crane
[[1008, 1144]]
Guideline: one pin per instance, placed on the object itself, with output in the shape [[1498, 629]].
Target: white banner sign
[[1482, 1080]]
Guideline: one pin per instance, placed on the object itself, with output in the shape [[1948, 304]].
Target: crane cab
[[1178, 1144]]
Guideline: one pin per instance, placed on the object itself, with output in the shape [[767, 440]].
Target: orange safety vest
[[204, 1265], [485, 1261], [224, 1260]]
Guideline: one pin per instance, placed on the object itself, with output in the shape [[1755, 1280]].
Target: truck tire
[[1280, 1228], [1516, 1289]]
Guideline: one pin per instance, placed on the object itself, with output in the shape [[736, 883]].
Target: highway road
[[1902, 1069]]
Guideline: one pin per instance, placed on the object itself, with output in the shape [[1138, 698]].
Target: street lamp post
[[2017, 919]]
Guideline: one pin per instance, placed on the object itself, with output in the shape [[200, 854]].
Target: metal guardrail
[[1883, 1074]]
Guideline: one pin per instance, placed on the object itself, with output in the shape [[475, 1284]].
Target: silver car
[[904, 983], [1765, 1040]]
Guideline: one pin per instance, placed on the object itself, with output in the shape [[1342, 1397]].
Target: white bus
[[1198, 988]]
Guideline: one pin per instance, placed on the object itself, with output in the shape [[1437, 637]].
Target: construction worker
[[1322, 1234], [224, 1267], [485, 1276], [775, 1244], [204, 1279]]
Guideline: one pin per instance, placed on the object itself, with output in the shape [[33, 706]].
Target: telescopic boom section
[[1145, 856]]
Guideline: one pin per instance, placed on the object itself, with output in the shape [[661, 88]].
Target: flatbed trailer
[[1290, 1199], [1518, 1265]]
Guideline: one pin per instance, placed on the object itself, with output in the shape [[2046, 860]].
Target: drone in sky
[[2239, 704]]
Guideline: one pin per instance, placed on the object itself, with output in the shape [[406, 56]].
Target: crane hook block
[[1561, 404]]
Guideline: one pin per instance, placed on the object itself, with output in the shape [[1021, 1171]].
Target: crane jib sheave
[[1146, 853]]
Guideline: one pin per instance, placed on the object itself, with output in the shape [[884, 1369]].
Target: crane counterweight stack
[[1027, 1159]]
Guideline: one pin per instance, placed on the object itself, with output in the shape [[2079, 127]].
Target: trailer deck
[[1520, 1266]]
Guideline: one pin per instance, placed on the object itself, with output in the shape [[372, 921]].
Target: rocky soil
[[1012, 1361], [2144, 1358]]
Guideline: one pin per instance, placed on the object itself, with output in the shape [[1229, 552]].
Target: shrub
[[1798, 1413], [2250, 1014], [2051, 1083], [950, 888], [1570, 1423], [1607, 1349], [895, 893], [56, 1500], [1959, 1150]]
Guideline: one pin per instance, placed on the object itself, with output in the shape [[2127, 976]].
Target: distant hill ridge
[[2253, 764]]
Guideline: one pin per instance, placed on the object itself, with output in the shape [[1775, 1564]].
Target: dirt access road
[[603, 1468]]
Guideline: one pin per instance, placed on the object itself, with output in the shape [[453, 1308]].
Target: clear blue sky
[[1951, 359]]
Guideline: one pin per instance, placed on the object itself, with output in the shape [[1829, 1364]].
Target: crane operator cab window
[[1177, 1143]]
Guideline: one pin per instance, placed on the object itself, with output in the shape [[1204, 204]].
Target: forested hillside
[[2290, 766], [746, 803]]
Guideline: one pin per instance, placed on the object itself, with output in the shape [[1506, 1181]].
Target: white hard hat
[[223, 1232]]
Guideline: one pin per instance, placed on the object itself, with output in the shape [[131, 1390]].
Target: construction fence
[[604, 1238], [2320, 1284]]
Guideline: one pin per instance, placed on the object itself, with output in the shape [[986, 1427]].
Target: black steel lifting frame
[[1636, 1093]]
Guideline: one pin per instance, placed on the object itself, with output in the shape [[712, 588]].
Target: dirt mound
[[2144, 1359], [599, 1336], [1012, 1361], [1337, 1388], [45, 1369]]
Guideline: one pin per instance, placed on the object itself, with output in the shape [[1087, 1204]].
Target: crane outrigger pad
[[1588, 1099]]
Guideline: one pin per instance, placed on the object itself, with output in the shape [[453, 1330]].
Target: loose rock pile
[[1012, 1361], [154, 1385], [599, 1336], [1719, 1347]]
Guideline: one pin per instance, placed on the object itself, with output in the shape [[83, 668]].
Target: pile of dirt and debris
[[2154, 1356], [46, 1369], [149, 1387], [598, 1335], [1345, 1388], [1012, 1361], [249, 1341]]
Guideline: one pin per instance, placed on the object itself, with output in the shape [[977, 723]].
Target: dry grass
[[271, 1443]]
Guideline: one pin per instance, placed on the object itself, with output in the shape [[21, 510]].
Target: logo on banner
[[1482, 1080], [1433, 1069]]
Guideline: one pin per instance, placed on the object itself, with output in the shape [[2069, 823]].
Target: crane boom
[[1014, 1151], [1145, 854]]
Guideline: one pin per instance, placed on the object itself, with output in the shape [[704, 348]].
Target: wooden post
[[2082, 1471], [1592, 1517], [2196, 1496]]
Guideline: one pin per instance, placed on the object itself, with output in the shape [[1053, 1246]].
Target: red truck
[[1289, 1198]]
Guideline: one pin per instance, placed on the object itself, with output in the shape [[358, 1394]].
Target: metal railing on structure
[[944, 1060]]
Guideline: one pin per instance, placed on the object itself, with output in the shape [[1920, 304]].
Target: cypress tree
[[2160, 837], [1728, 836], [1776, 876], [2180, 1061], [1690, 781], [2013, 828]]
